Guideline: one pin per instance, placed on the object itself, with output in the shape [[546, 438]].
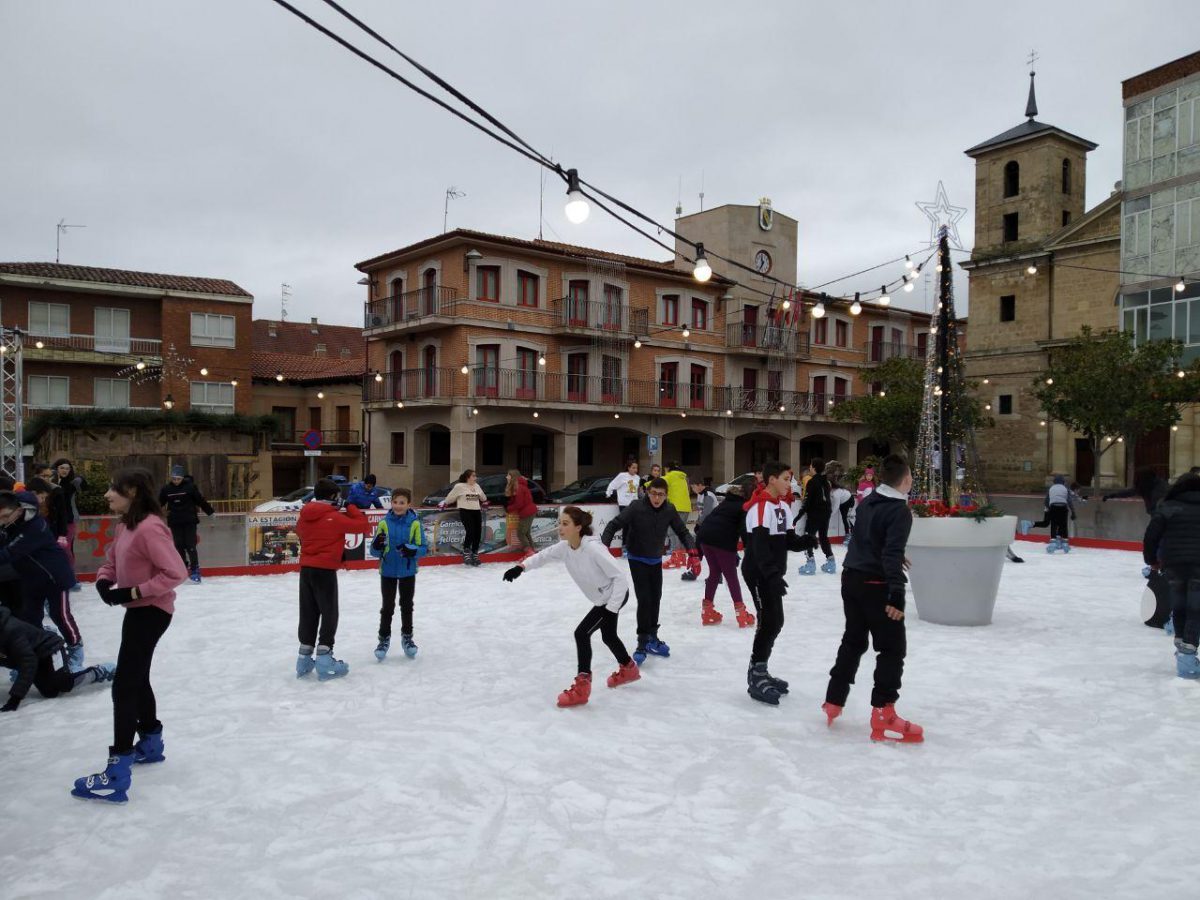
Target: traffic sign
[[312, 439], [652, 444], [312, 452]]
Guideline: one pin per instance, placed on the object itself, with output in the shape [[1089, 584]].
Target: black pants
[[817, 524], [407, 587], [472, 521], [52, 677], [647, 587], [318, 606], [863, 600], [769, 605], [134, 707], [604, 619], [1184, 584], [1058, 516], [185, 542]]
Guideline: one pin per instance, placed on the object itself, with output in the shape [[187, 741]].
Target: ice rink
[[1060, 761]]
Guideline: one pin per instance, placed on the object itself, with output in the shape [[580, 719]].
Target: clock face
[[762, 262]]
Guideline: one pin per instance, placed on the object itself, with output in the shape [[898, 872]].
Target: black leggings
[[864, 598], [134, 707], [770, 618], [472, 521], [184, 535], [819, 526], [647, 587], [604, 619], [318, 606], [407, 587]]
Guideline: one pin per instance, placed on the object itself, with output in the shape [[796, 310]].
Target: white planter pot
[[956, 567]]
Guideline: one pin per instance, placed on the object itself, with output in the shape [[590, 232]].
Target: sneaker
[[1024, 525], [887, 726], [1186, 664], [327, 667], [304, 662], [76, 588], [194, 575], [624, 675]]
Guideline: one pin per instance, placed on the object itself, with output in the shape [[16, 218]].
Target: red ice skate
[[709, 615], [577, 694], [745, 618], [887, 726], [832, 711], [627, 673], [678, 560]]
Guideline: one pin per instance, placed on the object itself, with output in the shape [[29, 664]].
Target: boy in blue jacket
[[399, 543], [362, 494]]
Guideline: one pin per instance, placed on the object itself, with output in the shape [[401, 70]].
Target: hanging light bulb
[[203, 370], [786, 304], [616, 415], [1181, 374], [781, 407], [637, 344], [535, 413], [855, 307], [464, 369], [577, 209], [884, 299], [141, 365], [39, 344], [987, 381], [475, 411], [939, 370], [987, 406], [320, 395], [541, 359], [279, 376], [729, 412], [908, 287], [702, 271], [1181, 285], [1174, 427], [233, 381], [1042, 423], [939, 267], [683, 415], [686, 332], [399, 404], [1049, 381], [378, 377], [169, 402], [908, 263], [818, 311], [883, 393], [1031, 269]]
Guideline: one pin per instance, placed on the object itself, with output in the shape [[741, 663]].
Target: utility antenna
[[679, 201], [452, 193], [701, 190], [61, 229], [285, 291]]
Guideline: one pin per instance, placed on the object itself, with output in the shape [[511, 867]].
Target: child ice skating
[[644, 524], [718, 536], [817, 508], [32, 653], [181, 498], [1059, 506], [399, 543], [520, 504], [140, 573], [322, 530], [873, 584], [1172, 542], [706, 502], [468, 496], [601, 580]]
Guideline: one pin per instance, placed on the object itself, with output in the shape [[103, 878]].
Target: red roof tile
[[296, 367], [298, 338], [124, 278]]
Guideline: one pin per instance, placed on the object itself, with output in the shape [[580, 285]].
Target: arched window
[[1012, 178], [395, 372], [430, 373], [429, 290], [1066, 176]]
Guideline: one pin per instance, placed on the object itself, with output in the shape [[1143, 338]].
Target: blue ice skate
[[1186, 664], [385, 644], [639, 655], [327, 667], [656, 647], [1064, 545], [101, 673], [1024, 525], [304, 662], [410, 647], [75, 657], [112, 784], [829, 567], [1053, 546], [194, 575], [809, 568], [1169, 626], [149, 748]]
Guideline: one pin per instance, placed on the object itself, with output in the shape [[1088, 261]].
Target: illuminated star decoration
[[940, 212], [174, 367]]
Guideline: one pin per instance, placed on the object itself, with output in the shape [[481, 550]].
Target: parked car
[[721, 489], [586, 490], [493, 489], [300, 496]]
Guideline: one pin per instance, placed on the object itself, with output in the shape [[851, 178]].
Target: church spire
[[1031, 103]]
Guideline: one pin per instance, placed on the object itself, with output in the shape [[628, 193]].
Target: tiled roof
[[124, 278], [298, 338], [299, 367], [1027, 129]]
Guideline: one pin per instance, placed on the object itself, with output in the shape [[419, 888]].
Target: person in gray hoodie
[[1058, 507]]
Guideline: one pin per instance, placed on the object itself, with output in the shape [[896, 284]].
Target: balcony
[[329, 438], [90, 348], [33, 409], [770, 340], [523, 387], [882, 351], [599, 317], [413, 307]]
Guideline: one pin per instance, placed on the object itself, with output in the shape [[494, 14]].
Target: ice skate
[[639, 654], [1186, 664], [1064, 545], [112, 784], [1053, 546], [832, 711], [475, 560], [327, 667], [410, 648], [709, 615], [688, 576], [624, 675], [194, 575], [98, 674], [75, 657], [887, 726], [745, 618], [829, 567], [780, 684], [677, 560], [809, 568], [657, 648], [304, 662], [384, 645], [760, 686], [149, 748], [577, 694], [1024, 525]]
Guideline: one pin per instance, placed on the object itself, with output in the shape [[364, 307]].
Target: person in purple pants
[[718, 536]]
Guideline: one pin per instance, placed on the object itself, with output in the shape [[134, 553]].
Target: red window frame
[[527, 289], [577, 384], [577, 303], [697, 387], [774, 388], [699, 314], [397, 448], [749, 326], [431, 372], [670, 309], [749, 388], [610, 380], [922, 343], [487, 283], [610, 313], [668, 384], [841, 333], [487, 370], [429, 291], [821, 331], [818, 393], [526, 374]]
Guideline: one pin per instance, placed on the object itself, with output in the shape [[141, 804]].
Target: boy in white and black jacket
[[873, 586]]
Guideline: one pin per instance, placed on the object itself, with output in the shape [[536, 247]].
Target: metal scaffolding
[[12, 437]]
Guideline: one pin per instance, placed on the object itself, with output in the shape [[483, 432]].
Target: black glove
[[12, 704], [407, 551], [114, 596], [896, 599], [514, 573], [380, 542]]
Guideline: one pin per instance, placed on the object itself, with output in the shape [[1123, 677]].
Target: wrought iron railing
[[128, 346], [411, 305], [882, 351], [599, 315], [766, 339], [328, 436]]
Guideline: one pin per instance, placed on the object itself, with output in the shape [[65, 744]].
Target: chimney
[[320, 351], [271, 330], [314, 326], [345, 353]]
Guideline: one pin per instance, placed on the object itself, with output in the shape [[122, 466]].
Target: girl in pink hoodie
[[141, 573]]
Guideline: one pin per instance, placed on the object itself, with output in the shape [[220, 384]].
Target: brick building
[[309, 376], [84, 326], [492, 352]]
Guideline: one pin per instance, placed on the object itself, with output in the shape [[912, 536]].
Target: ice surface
[[1060, 761]]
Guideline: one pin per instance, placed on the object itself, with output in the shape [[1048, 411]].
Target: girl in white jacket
[[602, 581]]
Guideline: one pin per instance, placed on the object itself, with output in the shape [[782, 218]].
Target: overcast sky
[[225, 138]]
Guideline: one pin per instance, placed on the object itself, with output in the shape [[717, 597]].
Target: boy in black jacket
[[873, 583], [180, 498], [817, 508], [644, 524], [32, 653]]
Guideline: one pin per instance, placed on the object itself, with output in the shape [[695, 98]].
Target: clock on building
[[762, 262]]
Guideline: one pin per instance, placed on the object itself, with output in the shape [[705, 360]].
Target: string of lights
[[1181, 281]]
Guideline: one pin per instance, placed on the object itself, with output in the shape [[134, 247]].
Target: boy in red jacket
[[322, 530]]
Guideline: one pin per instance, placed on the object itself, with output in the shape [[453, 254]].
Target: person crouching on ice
[[32, 652], [873, 599], [599, 576]]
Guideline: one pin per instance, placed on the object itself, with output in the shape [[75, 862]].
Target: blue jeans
[[1185, 603]]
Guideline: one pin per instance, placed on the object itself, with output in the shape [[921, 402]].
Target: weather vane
[[940, 212]]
